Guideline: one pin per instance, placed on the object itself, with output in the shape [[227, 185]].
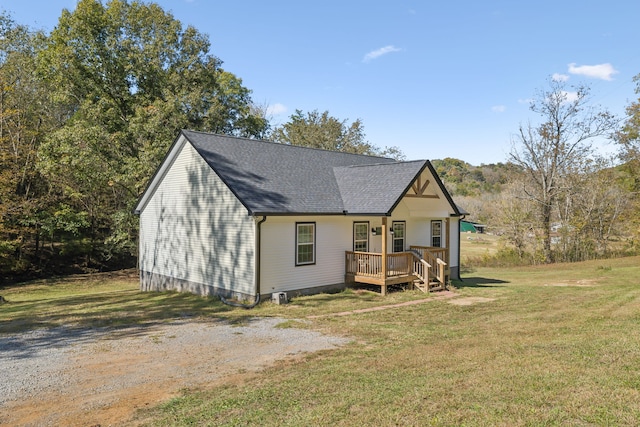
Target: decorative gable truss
[[419, 189]]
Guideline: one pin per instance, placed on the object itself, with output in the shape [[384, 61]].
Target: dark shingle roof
[[375, 188], [272, 178]]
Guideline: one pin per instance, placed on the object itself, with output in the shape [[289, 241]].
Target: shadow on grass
[[479, 282], [108, 309], [66, 321], [30, 344]]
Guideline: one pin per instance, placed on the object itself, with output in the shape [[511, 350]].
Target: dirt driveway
[[80, 377]]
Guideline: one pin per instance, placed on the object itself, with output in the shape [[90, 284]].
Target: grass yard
[[96, 300], [475, 245], [546, 345]]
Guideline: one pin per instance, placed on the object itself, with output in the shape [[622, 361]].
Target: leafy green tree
[[464, 179], [320, 130], [128, 77], [25, 117]]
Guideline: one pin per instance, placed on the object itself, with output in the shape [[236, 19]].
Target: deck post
[[448, 259], [383, 290]]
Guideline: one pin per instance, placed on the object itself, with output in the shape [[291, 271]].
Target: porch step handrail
[[437, 266], [420, 266]]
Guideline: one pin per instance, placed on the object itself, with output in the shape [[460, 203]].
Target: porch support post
[[448, 234], [385, 233]]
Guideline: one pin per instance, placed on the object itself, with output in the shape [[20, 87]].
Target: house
[[240, 218]]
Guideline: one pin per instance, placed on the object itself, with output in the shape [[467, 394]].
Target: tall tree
[[321, 130], [25, 117], [130, 76], [556, 147]]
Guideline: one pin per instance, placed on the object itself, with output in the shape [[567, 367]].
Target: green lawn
[[475, 246], [550, 345]]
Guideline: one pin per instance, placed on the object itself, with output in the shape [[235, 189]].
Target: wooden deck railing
[[364, 264], [399, 264], [370, 264], [422, 262], [437, 260]]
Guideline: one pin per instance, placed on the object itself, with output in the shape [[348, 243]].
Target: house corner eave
[[454, 207]]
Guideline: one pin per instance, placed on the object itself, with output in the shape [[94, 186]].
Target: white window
[[361, 236], [398, 230], [305, 243], [436, 234]]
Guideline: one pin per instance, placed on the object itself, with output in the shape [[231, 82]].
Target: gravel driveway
[[74, 376]]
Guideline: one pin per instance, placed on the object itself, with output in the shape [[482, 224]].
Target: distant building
[[471, 227]]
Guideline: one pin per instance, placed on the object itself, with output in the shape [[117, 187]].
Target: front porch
[[424, 266]]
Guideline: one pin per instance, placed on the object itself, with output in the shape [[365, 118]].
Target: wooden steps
[[431, 286]]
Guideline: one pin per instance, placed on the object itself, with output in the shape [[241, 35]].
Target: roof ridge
[[275, 143], [396, 162]]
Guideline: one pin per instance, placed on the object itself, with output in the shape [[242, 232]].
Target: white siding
[[334, 236], [194, 229]]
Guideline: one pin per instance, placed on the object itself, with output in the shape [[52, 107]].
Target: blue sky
[[437, 79]]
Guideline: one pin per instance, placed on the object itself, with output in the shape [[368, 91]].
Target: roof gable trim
[[404, 192], [158, 176], [223, 180], [454, 207]]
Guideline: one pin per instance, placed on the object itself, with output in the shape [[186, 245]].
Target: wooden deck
[[426, 266]]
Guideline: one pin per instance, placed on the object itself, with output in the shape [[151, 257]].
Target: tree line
[[89, 110]]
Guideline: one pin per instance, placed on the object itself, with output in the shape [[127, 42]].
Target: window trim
[[366, 223], [434, 221], [404, 236], [313, 244]]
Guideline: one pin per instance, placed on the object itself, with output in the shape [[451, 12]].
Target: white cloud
[[498, 108], [276, 109], [557, 77], [570, 96], [600, 71], [379, 52]]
